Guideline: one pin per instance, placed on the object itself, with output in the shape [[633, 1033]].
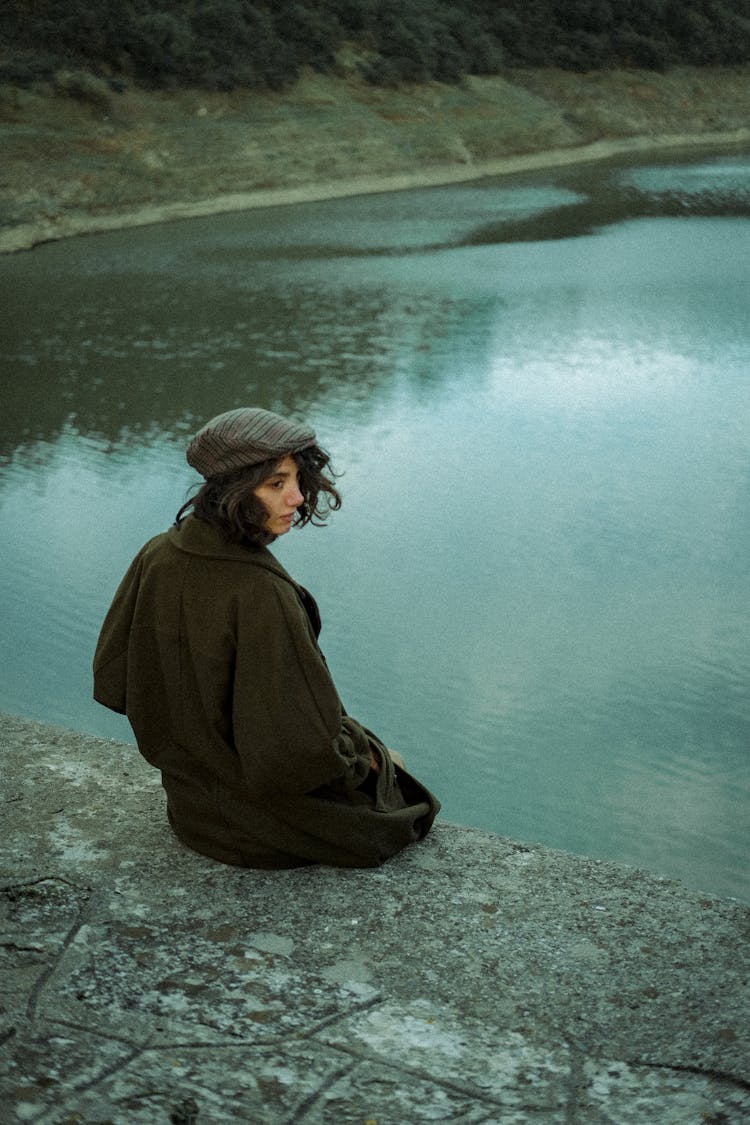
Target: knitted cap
[[243, 437]]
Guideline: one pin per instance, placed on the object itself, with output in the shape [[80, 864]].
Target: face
[[280, 496]]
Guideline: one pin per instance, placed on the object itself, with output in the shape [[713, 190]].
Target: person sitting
[[211, 650]]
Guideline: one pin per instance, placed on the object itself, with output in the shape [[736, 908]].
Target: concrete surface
[[470, 980]]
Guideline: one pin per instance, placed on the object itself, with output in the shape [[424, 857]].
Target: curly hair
[[229, 503]]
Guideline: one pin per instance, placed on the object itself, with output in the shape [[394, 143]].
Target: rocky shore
[[80, 155]]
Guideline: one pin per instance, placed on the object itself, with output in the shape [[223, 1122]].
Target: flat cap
[[243, 437]]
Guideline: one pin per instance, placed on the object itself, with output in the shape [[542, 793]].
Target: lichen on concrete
[[471, 979]]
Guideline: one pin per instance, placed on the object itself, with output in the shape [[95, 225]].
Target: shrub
[[158, 44], [27, 67], [313, 33], [583, 51], [637, 50], [225, 43], [84, 87]]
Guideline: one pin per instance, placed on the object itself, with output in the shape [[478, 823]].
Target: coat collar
[[196, 537]]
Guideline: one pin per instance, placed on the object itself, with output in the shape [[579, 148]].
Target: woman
[[210, 649]]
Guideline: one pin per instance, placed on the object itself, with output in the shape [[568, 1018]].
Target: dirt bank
[[79, 156]]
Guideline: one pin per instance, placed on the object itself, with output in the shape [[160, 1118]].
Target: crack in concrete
[[19, 884], [298, 1114], [47, 973], [686, 1068], [339, 1017]]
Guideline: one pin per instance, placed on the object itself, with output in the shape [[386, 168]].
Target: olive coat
[[210, 649]]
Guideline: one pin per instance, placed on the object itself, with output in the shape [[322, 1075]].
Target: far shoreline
[[28, 235]]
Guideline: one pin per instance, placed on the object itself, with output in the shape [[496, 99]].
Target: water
[[537, 389]]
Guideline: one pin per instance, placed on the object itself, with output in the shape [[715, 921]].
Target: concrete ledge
[[471, 979]]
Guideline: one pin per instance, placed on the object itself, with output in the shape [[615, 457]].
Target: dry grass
[[72, 150]]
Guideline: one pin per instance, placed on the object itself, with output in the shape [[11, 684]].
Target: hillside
[[81, 153], [229, 44]]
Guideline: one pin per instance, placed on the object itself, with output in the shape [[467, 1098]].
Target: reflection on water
[[537, 587]]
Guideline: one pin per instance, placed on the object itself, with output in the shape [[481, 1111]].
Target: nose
[[294, 496]]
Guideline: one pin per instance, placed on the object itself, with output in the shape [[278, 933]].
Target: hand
[[396, 758]]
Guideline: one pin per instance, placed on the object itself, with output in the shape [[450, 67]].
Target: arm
[[111, 656], [290, 730]]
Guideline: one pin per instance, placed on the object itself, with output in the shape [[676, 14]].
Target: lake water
[[538, 391]]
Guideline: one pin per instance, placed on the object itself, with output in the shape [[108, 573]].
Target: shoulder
[[197, 539], [231, 570]]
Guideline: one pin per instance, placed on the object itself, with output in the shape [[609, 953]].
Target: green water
[[538, 392]]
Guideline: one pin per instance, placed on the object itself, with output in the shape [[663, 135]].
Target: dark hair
[[229, 504]]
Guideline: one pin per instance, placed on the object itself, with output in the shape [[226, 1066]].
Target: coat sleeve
[[111, 655], [289, 727]]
